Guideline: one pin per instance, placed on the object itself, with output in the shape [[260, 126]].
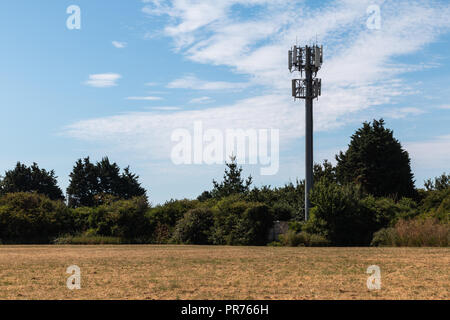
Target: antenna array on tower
[[307, 59]]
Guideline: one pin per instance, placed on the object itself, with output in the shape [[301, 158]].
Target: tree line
[[368, 197], [90, 183]]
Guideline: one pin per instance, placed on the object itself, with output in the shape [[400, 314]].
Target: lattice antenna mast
[[307, 59]]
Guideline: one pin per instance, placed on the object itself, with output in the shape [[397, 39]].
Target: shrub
[[290, 198], [132, 222], [316, 240], [339, 214], [161, 233], [170, 212], [436, 204], [384, 237], [238, 222], [345, 216], [124, 218], [227, 213], [87, 240], [254, 225], [386, 212], [32, 218], [282, 211], [297, 226], [294, 239], [81, 219], [195, 227], [442, 213], [414, 233]]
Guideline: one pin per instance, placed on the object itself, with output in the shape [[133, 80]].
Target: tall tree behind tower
[[376, 161]]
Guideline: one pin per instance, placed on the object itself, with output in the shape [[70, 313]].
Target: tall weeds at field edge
[[414, 233]]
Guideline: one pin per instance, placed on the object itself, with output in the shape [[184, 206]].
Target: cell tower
[[307, 59]]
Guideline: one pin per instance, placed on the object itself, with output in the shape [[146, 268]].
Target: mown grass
[[214, 272]]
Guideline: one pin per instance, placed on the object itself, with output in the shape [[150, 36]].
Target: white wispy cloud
[[398, 113], [103, 80], [202, 100], [192, 82], [166, 108], [119, 45], [430, 154], [445, 107], [361, 67], [148, 133], [148, 98]]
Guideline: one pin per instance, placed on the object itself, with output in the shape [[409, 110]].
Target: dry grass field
[[196, 272]]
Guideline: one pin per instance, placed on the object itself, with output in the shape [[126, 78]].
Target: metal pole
[[310, 60], [308, 132]]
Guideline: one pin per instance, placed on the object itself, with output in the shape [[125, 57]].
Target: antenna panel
[[294, 57], [290, 59], [321, 54], [317, 56]]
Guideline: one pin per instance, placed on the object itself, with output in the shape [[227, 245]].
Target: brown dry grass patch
[[213, 272]]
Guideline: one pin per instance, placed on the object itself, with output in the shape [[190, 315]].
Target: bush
[[387, 212], [124, 219], [282, 211], [238, 222], [316, 240], [254, 225], [289, 198], [345, 216], [442, 213], [384, 237], [339, 215], [227, 213], [81, 219], [32, 218], [87, 240], [294, 239], [297, 226], [195, 227], [161, 234], [163, 218], [414, 233], [436, 204]]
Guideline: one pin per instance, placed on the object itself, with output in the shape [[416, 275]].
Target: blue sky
[[137, 70]]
